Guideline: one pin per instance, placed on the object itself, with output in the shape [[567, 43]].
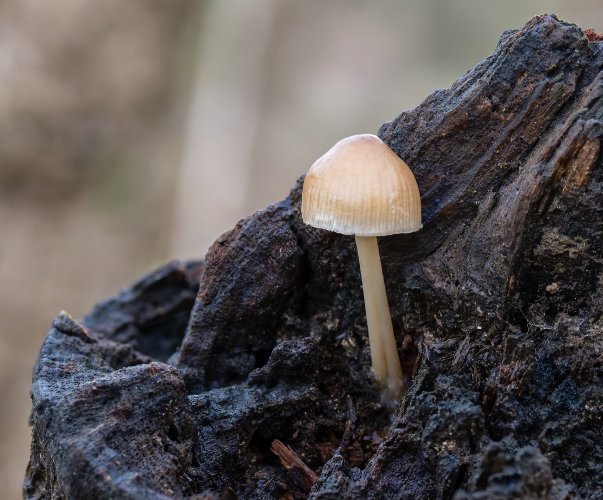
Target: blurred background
[[134, 132]]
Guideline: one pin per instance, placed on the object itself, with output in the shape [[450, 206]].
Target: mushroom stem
[[384, 352]]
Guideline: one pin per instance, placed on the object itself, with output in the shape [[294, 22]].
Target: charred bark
[[496, 306]]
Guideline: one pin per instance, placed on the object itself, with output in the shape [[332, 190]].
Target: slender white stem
[[384, 352]]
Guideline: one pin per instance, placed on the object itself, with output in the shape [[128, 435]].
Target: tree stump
[[170, 390]]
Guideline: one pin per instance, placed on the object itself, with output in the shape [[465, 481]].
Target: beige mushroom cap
[[361, 187]]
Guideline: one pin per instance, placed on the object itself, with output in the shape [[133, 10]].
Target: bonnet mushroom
[[360, 187]]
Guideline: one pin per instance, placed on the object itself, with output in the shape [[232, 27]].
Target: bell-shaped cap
[[361, 187]]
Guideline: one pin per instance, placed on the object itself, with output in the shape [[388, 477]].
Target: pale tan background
[[136, 131]]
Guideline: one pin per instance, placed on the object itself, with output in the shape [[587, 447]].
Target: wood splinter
[[301, 474]]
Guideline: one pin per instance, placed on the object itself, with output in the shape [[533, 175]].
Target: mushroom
[[361, 187]]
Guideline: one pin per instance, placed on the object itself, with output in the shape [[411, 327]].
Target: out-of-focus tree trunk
[[223, 118]]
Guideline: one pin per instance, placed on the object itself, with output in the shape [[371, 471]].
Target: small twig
[[301, 474], [350, 426], [352, 415]]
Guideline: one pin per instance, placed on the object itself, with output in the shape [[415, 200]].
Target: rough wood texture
[[496, 306]]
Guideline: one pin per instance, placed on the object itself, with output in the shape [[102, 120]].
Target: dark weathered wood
[[496, 305]]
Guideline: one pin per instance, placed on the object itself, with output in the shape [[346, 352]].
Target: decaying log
[[497, 301]]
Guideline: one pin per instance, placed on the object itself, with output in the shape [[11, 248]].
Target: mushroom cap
[[361, 187]]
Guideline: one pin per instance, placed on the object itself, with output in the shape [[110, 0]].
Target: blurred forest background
[[133, 132]]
